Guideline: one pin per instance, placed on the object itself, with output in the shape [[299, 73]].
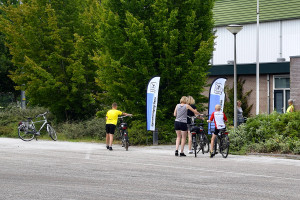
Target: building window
[[281, 93]]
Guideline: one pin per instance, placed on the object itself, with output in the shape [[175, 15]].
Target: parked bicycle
[[222, 143], [122, 129], [27, 130], [199, 139]]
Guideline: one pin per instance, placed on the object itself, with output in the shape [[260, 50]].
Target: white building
[[279, 40]]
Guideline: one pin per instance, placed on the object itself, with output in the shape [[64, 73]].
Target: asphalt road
[[78, 171]]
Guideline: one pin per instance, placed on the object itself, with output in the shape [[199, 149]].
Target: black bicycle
[[221, 143], [27, 130], [199, 139], [122, 128]]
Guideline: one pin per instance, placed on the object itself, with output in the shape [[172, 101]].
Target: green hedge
[[92, 129], [12, 115], [277, 133]]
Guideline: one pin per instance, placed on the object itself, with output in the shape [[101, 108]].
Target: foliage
[[275, 133], [52, 43], [268, 133], [9, 2], [93, 128], [141, 39], [138, 134], [241, 95], [11, 116], [6, 99], [6, 84], [74, 57]]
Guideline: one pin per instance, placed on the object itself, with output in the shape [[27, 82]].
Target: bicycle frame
[[123, 125], [221, 133], [219, 141], [27, 130], [198, 137], [44, 120], [123, 132]]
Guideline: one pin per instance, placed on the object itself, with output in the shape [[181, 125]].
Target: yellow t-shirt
[[112, 116], [291, 107]]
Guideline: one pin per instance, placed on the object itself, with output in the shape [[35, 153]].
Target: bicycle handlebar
[[192, 117], [42, 115], [196, 116], [123, 116]]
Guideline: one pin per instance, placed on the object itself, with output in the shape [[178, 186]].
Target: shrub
[[12, 115], [93, 128], [138, 135], [268, 133], [296, 149], [238, 139], [272, 145]]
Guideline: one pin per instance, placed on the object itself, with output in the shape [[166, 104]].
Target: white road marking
[[88, 153]]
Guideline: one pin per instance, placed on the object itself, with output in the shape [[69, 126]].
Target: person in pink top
[[219, 118]]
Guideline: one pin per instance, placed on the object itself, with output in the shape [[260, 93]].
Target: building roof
[[250, 69], [244, 11]]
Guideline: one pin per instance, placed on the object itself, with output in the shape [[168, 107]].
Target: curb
[[288, 156]]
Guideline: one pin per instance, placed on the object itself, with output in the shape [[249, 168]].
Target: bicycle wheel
[[195, 145], [216, 145], [224, 147], [199, 139], [205, 143], [51, 132], [126, 142], [123, 140], [25, 134], [120, 134]]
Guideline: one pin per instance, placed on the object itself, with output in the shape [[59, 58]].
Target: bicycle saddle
[[195, 129]]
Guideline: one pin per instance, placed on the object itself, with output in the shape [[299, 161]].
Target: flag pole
[[257, 60]]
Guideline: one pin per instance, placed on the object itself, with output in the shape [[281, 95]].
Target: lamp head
[[234, 28]]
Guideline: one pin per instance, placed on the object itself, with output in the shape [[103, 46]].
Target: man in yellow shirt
[[111, 123]]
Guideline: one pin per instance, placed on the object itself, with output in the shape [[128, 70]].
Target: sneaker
[[176, 153], [110, 148], [107, 147], [191, 152], [211, 154], [182, 154]]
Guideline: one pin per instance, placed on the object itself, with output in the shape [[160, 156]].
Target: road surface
[[50, 170]]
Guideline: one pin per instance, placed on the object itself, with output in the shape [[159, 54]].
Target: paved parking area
[[76, 171]]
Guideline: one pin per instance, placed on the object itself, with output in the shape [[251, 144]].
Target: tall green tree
[[6, 84], [141, 39], [52, 43]]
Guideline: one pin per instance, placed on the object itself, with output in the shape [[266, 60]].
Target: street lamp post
[[234, 29], [257, 59]]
